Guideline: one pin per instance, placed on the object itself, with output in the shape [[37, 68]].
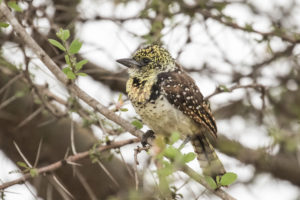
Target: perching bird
[[168, 100]]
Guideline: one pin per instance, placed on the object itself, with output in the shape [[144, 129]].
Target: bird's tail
[[209, 161]]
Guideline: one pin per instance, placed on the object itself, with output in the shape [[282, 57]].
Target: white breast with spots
[[163, 118]]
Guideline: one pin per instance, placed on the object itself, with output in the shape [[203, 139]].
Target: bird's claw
[[147, 138]]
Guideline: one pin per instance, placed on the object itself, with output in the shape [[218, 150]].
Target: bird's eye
[[146, 60]]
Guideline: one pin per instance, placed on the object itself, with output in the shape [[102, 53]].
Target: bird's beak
[[129, 62]]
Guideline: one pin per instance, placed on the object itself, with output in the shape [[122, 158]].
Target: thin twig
[[61, 188], [198, 178], [72, 158], [8, 101], [222, 90], [108, 173], [10, 82], [126, 164], [38, 153], [86, 185], [72, 137], [30, 117], [22, 155], [137, 150]]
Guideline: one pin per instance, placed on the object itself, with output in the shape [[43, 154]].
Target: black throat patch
[[138, 82]]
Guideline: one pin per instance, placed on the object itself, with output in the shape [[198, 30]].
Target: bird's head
[[149, 61]]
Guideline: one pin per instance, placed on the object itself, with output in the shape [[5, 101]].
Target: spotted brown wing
[[181, 91]]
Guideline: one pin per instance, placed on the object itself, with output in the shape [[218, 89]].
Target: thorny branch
[[28, 40], [71, 159]]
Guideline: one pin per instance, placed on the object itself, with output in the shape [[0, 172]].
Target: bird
[[168, 100]]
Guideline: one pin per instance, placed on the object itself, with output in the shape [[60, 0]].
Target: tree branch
[[28, 40], [71, 159]]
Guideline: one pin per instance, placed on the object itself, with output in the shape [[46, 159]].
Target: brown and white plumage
[[168, 100]]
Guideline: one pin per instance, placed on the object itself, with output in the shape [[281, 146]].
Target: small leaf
[[33, 172], [189, 157], [71, 75], [79, 65], [14, 5], [171, 152], [81, 74], [224, 88], [75, 46], [63, 34], [137, 124], [228, 178], [3, 25], [57, 44], [66, 70], [174, 138], [123, 109], [22, 164], [167, 170], [248, 27], [210, 181]]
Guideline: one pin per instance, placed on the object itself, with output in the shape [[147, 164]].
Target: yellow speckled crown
[[158, 55]]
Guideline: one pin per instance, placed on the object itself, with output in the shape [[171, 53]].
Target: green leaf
[[189, 157], [81, 74], [171, 152], [174, 138], [137, 124], [14, 6], [67, 59], [166, 170], [248, 27], [228, 178], [22, 164], [211, 182], [3, 25], [224, 88], [57, 44], [71, 75], [66, 70], [75, 46], [79, 65], [123, 109], [33, 172], [63, 34]]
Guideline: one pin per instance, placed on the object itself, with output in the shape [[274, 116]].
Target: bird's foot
[[147, 138]]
